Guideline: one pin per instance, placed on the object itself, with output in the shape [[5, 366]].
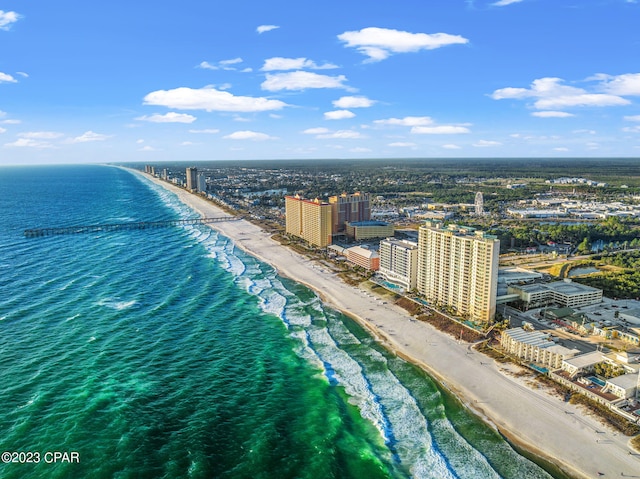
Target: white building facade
[[399, 262]]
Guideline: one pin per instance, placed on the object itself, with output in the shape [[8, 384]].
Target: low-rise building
[[624, 386], [535, 346], [582, 364], [364, 230], [563, 293], [366, 258]]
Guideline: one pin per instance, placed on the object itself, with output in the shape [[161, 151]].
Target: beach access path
[[541, 423]]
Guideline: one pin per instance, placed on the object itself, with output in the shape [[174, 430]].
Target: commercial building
[[366, 258], [458, 267], [364, 230], [349, 209], [399, 262], [192, 179], [309, 220], [535, 346], [563, 293]]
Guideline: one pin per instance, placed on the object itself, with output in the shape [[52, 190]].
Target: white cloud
[[450, 146], [210, 99], [23, 74], [170, 117], [380, 43], [551, 114], [147, 148], [632, 118], [631, 129], [316, 131], [338, 115], [41, 135], [187, 143], [301, 80], [6, 78], [89, 136], [29, 143], [486, 143], [249, 135], [402, 144], [208, 66], [210, 131], [561, 148], [10, 122], [280, 63], [502, 3], [342, 135], [627, 84], [3, 130], [360, 149], [581, 131], [7, 18], [266, 28], [353, 102], [407, 121], [224, 65], [551, 94], [439, 130]]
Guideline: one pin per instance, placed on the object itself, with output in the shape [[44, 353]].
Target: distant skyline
[[202, 81]]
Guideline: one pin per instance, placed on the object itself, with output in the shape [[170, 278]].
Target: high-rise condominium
[[458, 267], [309, 220], [399, 262], [192, 179], [349, 208]]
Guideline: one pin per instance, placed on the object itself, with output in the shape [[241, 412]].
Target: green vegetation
[[613, 229], [621, 283], [607, 370]]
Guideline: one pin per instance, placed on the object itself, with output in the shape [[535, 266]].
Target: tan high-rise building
[[458, 267], [349, 209], [309, 220], [192, 179]]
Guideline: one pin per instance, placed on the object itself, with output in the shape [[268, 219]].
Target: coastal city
[[553, 308]]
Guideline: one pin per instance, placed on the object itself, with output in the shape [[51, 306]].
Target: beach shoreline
[[532, 420]]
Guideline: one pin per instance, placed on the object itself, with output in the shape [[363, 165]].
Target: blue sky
[[248, 79]]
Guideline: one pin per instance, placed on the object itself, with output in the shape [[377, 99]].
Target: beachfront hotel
[[309, 220], [349, 209], [399, 262], [458, 268]]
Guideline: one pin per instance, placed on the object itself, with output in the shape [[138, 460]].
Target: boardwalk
[[138, 225]]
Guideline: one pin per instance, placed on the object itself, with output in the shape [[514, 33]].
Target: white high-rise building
[[202, 183], [458, 267], [479, 204], [399, 262]]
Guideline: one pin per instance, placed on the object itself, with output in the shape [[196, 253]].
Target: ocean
[[170, 353]]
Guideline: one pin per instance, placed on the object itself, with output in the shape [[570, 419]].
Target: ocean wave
[[114, 303]]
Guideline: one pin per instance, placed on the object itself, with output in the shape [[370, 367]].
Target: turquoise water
[[169, 353]]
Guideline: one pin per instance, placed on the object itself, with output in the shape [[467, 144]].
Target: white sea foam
[[114, 303], [71, 318]]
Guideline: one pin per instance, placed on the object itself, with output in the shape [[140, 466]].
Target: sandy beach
[[538, 421]]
